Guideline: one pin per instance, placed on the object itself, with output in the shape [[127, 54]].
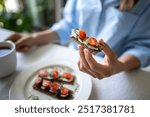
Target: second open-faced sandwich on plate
[[55, 75]]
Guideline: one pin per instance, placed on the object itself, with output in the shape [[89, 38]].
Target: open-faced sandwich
[[64, 76], [52, 88], [54, 75], [81, 38]]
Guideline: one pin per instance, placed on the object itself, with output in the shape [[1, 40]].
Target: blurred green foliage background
[[16, 21], [31, 16]]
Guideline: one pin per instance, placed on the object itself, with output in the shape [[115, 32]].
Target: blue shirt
[[126, 32]]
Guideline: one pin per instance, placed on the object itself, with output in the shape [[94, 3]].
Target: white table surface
[[133, 85]]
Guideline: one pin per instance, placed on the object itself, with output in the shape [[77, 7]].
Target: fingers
[[83, 69], [82, 55], [87, 67], [20, 44], [14, 37], [24, 44], [91, 61], [109, 54], [89, 71], [99, 70]]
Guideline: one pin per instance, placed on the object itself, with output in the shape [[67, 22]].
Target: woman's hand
[[27, 42], [23, 42], [100, 70]]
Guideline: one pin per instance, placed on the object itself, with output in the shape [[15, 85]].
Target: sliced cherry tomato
[[92, 41], [82, 34], [68, 76], [54, 87], [55, 74], [38, 81], [64, 91], [46, 83], [43, 73]]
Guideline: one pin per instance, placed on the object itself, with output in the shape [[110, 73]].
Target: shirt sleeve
[[138, 42], [64, 26]]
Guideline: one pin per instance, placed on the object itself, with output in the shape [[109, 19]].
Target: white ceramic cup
[[8, 61]]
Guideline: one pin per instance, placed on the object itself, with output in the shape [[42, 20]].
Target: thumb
[[20, 43]]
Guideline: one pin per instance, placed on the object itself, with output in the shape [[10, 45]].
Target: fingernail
[[80, 47], [85, 51], [101, 42]]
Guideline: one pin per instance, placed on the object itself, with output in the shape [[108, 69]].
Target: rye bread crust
[[55, 95]]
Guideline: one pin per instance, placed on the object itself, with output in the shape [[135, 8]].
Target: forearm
[[128, 62], [45, 37]]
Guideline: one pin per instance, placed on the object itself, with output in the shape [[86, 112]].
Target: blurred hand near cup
[[23, 43]]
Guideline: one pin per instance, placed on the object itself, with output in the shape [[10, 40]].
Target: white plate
[[21, 88]]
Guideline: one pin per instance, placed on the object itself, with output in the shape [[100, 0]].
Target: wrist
[[40, 38], [45, 37], [129, 62], [121, 66]]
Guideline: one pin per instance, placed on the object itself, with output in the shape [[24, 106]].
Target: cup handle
[[8, 41]]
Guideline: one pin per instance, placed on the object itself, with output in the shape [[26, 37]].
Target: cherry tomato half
[[55, 74], [54, 87], [68, 76], [92, 41], [82, 34], [64, 91]]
